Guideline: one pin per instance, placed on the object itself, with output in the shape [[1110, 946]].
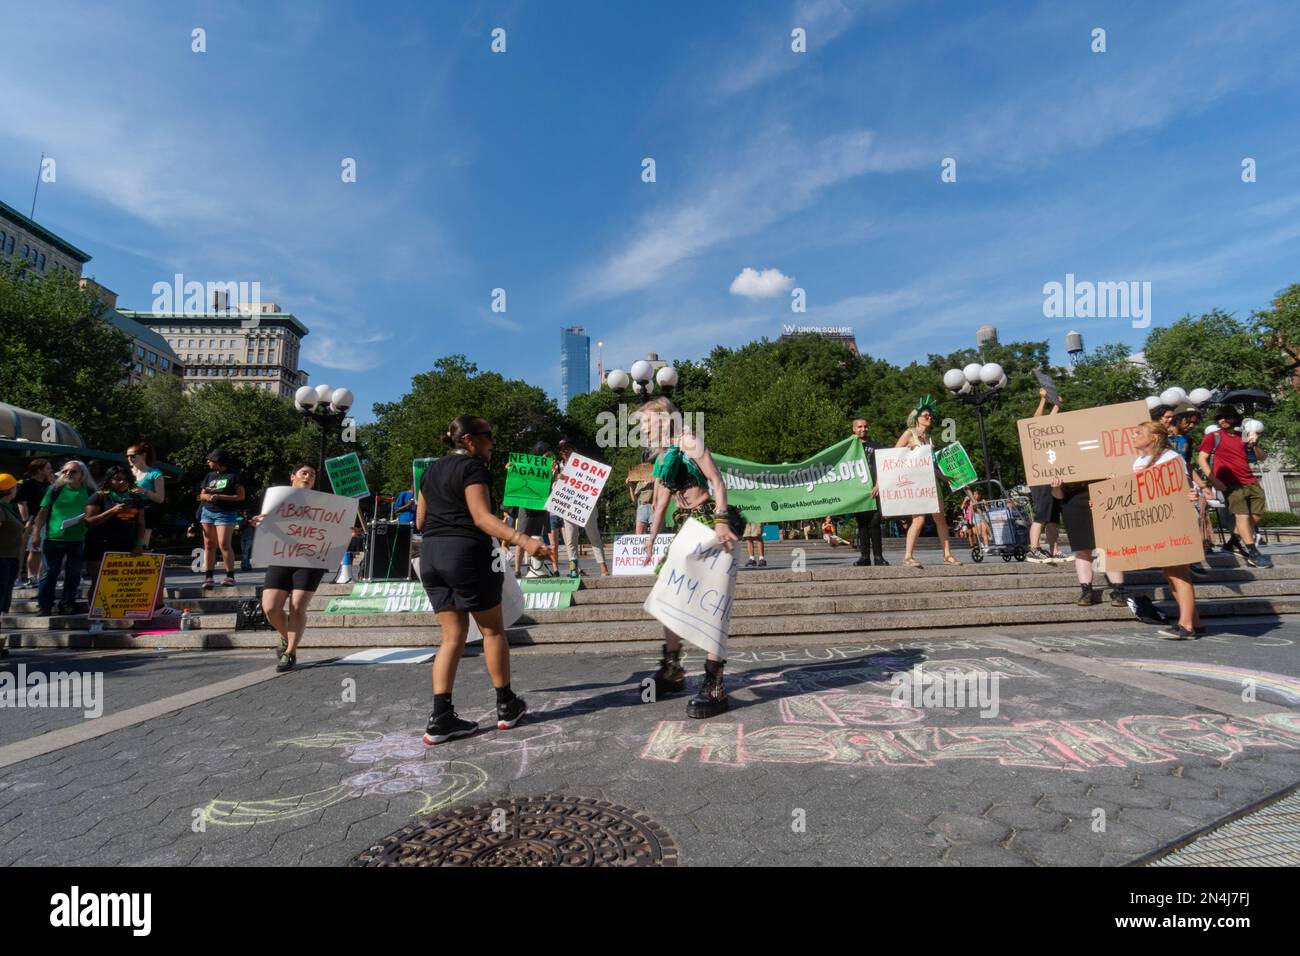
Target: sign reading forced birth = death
[[1080, 446]]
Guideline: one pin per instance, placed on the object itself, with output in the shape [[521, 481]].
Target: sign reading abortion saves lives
[[574, 494], [303, 529], [907, 485], [1146, 519], [1080, 446]]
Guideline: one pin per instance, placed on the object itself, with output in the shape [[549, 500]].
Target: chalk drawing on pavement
[[1288, 688]]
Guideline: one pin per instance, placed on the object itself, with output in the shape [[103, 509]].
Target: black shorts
[[457, 573], [1076, 513], [1047, 510], [281, 578], [533, 523]]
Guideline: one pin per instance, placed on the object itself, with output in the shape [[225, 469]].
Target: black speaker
[[389, 556]]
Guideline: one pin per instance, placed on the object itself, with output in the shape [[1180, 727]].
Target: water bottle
[[185, 620]]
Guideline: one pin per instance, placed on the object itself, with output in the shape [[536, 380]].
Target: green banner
[[528, 481], [955, 465], [346, 477], [418, 468], [835, 481], [408, 597]]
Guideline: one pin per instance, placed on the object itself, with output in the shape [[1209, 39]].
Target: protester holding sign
[[289, 586], [591, 528], [685, 469], [220, 496], [534, 522], [62, 521], [115, 520], [1076, 513], [1047, 510], [919, 423], [1152, 443], [457, 569]]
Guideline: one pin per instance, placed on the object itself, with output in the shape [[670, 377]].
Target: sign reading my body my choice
[[574, 494], [1080, 446], [1146, 520], [303, 529]]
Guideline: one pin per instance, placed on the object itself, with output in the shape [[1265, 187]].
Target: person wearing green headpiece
[[685, 470], [919, 423]]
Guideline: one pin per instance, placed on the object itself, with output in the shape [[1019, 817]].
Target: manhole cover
[[528, 831]]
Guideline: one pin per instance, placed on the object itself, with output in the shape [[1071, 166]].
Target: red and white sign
[[303, 529], [629, 553], [906, 477], [574, 494]]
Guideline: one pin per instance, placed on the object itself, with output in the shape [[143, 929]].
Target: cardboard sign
[[346, 477], [512, 597], [573, 496], [907, 485], [528, 481], [645, 471], [1146, 520], [303, 528], [127, 587], [693, 594], [956, 466], [1045, 381], [629, 552], [1081, 446]]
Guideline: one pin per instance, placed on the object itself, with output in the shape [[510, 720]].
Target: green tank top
[[678, 471]]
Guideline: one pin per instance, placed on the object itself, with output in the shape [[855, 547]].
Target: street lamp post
[[642, 377], [327, 407], [977, 385]]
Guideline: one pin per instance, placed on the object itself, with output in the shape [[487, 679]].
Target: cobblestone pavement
[[813, 763]]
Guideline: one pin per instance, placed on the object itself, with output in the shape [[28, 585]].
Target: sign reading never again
[[1080, 446], [528, 481]]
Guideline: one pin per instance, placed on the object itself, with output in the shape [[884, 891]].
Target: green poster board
[[528, 481], [955, 465], [346, 477], [418, 467]]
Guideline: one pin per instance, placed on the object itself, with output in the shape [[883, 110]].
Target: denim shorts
[[218, 517], [645, 513]]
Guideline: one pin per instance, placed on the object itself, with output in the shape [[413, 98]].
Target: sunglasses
[[486, 434]]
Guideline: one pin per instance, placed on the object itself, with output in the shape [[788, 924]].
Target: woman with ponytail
[[454, 511]]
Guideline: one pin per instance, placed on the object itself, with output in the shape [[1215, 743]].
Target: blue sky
[[522, 170]]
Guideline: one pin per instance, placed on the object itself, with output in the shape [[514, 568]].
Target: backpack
[[249, 615]]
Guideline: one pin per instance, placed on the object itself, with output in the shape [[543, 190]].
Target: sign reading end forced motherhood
[[907, 485], [1146, 520], [303, 529], [574, 494], [1080, 446], [693, 594]]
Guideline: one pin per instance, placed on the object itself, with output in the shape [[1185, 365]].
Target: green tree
[[1211, 351], [59, 359], [1278, 329], [1103, 377]]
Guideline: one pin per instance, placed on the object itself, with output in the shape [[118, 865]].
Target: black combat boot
[[712, 698], [671, 677], [1087, 596]]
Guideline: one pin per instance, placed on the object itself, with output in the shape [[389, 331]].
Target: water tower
[[986, 335], [1074, 347]]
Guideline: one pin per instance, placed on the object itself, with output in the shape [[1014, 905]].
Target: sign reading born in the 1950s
[[1080, 446], [1146, 520], [574, 494]]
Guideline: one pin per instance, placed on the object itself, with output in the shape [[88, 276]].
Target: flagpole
[[38, 186]]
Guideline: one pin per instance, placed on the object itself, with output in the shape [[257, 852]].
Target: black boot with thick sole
[[712, 698], [671, 676]]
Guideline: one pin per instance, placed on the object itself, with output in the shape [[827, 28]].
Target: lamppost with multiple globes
[[977, 385], [642, 377], [326, 406]]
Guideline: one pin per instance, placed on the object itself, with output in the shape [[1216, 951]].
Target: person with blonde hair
[[1151, 440], [685, 470], [919, 423]]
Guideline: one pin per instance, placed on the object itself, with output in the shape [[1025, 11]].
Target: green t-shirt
[[70, 503]]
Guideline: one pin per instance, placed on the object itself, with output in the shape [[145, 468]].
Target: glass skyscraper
[[575, 364]]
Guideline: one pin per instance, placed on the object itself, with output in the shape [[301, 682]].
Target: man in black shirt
[[868, 521]]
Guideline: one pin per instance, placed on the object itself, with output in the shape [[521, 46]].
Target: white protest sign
[[574, 494], [693, 594], [629, 552], [906, 477], [303, 529], [512, 598]]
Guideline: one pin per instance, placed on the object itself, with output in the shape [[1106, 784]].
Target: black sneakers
[[712, 698], [448, 727], [1255, 559], [1145, 611], [509, 713], [1119, 598], [1177, 633]]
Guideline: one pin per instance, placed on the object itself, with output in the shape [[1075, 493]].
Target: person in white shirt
[[1152, 443]]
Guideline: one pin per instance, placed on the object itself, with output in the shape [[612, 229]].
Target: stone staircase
[[831, 601]]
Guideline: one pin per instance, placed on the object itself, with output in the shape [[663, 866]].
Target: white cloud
[[760, 285]]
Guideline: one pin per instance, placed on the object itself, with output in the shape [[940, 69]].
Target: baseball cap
[[7, 481]]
